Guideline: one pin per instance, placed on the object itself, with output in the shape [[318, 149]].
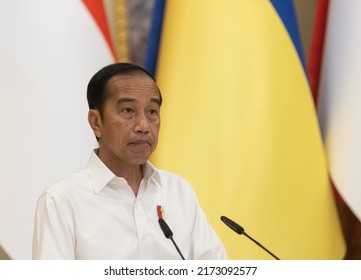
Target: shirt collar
[[101, 175]]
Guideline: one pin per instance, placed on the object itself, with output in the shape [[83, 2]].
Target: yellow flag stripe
[[239, 123]]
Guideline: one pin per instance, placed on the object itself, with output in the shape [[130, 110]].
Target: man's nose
[[141, 123]]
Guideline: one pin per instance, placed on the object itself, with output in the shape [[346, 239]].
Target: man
[[110, 209]]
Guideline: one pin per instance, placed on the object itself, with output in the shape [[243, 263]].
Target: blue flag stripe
[[154, 37], [286, 12]]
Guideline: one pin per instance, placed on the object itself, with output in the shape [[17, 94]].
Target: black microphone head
[[233, 225], [165, 228]]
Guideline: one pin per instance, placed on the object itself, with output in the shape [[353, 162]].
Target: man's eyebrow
[[132, 100], [125, 100], [155, 100]]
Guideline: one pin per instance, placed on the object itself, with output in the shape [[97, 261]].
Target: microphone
[[240, 230], [168, 234]]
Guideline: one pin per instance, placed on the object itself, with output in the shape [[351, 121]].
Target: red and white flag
[[48, 52]]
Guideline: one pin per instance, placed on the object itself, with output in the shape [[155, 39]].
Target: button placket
[[142, 227]]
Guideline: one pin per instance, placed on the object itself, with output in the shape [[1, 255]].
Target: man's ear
[[95, 121]]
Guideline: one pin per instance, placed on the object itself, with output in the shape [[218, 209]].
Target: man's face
[[129, 126]]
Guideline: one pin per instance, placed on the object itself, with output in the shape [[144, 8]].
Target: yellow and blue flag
[[240, 124]]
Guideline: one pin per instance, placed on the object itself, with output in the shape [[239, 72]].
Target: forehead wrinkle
[[112, 86], [146, 83]]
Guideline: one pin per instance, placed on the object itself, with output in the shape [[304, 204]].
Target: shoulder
[[75, 182], [176, 184], [167, 177]]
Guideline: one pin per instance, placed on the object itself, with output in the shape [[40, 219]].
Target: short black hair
[[96, 85]]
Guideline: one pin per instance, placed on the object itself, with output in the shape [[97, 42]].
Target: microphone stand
[[169, 234], [260, 245], [175, 245]]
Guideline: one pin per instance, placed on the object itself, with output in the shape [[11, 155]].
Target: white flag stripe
[[340, 99]]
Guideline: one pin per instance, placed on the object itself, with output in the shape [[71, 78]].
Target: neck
[[132, 173]]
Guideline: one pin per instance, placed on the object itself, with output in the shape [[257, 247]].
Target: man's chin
[[139, 160]]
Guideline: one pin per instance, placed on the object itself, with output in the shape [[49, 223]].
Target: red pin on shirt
[[166, 230], [160, 211]]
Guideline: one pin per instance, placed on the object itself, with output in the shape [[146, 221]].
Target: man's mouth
[[140, 142]]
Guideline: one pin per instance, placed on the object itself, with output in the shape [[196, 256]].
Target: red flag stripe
[[96, 9], [315, 57]]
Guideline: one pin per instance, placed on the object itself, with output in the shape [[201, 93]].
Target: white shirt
[[92, 214]]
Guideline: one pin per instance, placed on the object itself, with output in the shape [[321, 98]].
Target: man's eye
[[153, 112], [127, 110]]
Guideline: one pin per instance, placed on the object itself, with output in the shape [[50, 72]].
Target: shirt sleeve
[[53, 236]]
